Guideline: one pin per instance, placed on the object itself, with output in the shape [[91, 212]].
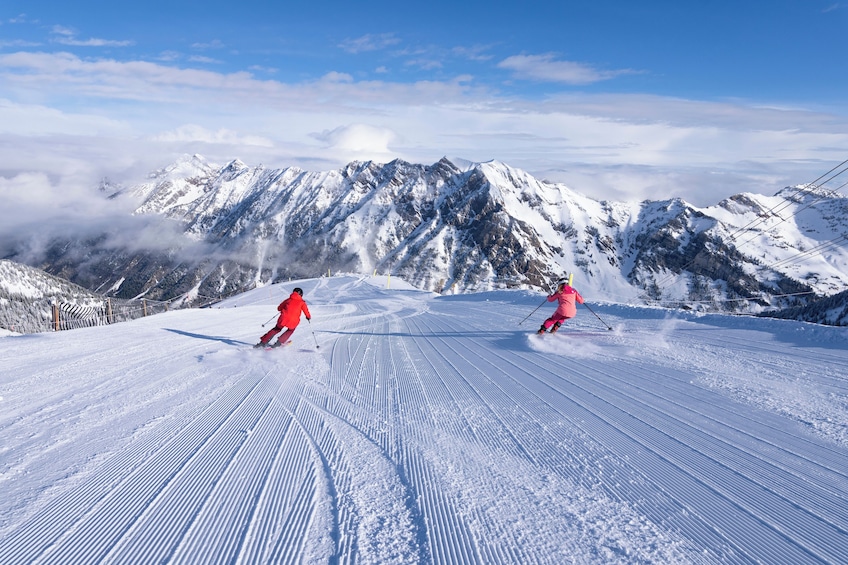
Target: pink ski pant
[[556, 318]]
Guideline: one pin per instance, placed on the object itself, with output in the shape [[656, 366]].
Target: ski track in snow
[[425, 430]]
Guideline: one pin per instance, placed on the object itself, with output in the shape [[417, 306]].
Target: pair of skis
[[270, 347], [278, 345]]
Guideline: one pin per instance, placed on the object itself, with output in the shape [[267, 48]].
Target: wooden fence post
[[55, 317], [109, 311], [144, 307]]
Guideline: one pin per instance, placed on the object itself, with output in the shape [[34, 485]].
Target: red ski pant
[[273, 331]]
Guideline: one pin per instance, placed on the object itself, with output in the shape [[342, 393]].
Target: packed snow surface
[[406, 427]]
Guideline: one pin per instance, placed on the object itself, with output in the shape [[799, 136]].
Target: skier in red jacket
[[290, 310], [566, 296]]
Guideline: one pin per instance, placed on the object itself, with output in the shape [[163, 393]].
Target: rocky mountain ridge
[[457, 229]]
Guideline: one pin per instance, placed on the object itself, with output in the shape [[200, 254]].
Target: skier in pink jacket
[[566, 296]]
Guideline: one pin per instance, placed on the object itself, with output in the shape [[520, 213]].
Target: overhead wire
[[813, 250], [774, 211], [668, 303], [787, 202]]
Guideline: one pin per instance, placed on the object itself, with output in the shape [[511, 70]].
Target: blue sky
[[620, 100]]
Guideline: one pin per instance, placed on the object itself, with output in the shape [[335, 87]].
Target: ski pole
[[533, 312], [269, 321], [598, 317], [315, 338]]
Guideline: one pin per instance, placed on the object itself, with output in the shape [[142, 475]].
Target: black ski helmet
[[298, 290]]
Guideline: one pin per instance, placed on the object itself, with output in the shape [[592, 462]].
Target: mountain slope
[[832, 311], [27, 296], [33, 301], [419, 432]]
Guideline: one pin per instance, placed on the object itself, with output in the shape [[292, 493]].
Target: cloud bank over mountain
[[135, 115]]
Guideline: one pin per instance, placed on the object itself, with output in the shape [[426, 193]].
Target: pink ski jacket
[[566, 297]]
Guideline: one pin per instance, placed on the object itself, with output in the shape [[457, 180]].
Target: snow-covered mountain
[[26, 296], [831, 310], [33, 301], [453, 229]]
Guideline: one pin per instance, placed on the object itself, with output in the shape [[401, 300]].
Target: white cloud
[[37, 200], [40, 120], [21, 19], [196, 133], [65, 116], [214, 44], [369, 42], [18, 43], [67, 36], [25, 190], [474, 53], [547, 68], [333, 76], [261, 69], [204, 59], [359, 141], [425, 64], [168, 56]]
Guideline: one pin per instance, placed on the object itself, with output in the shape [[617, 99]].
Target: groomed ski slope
[[425, 429]]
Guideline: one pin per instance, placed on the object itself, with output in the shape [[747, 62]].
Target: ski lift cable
[[774, 210], [804, 188], [803, 254], [779, 208], [795, 213], [831, 194], [830, 171], [667, 303]]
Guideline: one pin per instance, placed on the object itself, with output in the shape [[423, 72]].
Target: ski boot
[[555, 328], [260, 344], [541, 330]]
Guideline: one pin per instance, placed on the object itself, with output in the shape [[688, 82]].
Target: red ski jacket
[[290, 310]]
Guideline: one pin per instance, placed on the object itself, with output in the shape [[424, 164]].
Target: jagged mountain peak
[[186, 166], [446, 163], [808, 193], [235, 166], [466, 226], [416, 218]]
